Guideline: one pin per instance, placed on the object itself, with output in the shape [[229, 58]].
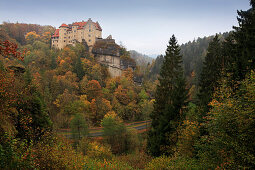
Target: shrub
[[98, 151]]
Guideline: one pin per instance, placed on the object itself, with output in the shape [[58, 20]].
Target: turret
[[62, 42]]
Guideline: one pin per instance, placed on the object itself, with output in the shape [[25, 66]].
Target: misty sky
[[141, 25]]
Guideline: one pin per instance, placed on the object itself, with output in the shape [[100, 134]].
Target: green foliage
[[230, 123], [210, 74], [165, 162], [79, 127], [143, 95], [241, 59], [138, 160], [13, 153], [78, 69], [99, 151], [118, 136], [114, 131], [188, 133], [169, 100], [106, 164]]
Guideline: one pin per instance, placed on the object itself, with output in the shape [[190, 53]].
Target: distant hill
[[140, 59], [193, 56]]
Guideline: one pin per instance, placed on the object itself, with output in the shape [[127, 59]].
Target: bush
[[137, 160], [165, 162], [98, 151], [14, 153], [105, 164]]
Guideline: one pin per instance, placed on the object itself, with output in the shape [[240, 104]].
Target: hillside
[[140, 59], [193, 53]]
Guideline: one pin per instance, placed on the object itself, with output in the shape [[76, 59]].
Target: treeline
[[216, 130], [17, 31]]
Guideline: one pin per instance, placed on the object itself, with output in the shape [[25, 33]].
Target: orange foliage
[[99, 107], [8, 92], [46, 37], [31, 37], [93, 89], [128, 73], [121, 95]]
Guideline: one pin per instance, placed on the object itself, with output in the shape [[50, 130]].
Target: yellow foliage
[[96, 150], [57, 102], [189, 131], [31, 36]]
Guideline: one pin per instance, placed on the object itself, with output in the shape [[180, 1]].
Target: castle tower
[[62, 42]]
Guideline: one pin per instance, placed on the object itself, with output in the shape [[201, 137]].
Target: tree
[[230, 142], [78, 69], [79, 127], [114, 132], [46, 37], [210, 74], [242, 48], [31, 37], [8, 90], [169, 100], [99, 107], [93, 89]]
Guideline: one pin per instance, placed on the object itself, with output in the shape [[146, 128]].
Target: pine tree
[[78, 69], [210, 74], [79, 127], [242, 58], [169, 99]]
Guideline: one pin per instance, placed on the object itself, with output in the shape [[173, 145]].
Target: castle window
[[64, 40], [89, 30], [89, 40], [89, 35], [74, 31]]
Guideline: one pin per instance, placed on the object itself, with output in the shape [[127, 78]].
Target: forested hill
[[193, 53], [140, 59], [16, 31]]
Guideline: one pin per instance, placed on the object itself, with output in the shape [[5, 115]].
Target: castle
[[105, 51], [77, 32]]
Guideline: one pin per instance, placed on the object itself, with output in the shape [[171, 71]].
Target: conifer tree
[[242, 58], [169, 99], [78, 69], [210, 74], [79, 127]]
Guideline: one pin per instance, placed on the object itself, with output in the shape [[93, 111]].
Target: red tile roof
[[98, 26], [64, 25], [81, 24], [56, 34]]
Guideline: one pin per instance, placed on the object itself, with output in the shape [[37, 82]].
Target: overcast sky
[[141, 25]]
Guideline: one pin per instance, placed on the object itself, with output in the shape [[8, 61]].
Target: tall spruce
[[210, 74], [78, 69], [169, 99], [242, 57]]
